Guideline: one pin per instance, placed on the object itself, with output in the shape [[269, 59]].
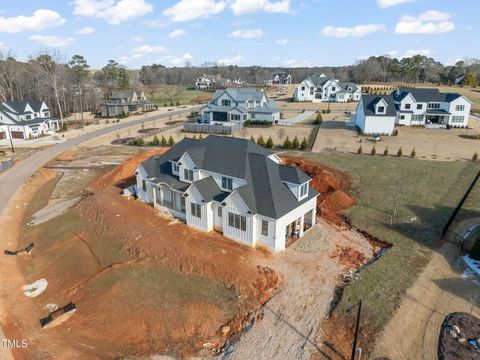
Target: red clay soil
[[107, 251], [332, 185], [349, 257]]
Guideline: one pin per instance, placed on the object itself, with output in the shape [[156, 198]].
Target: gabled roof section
[[209, 190], [17, 106], [369, 102], [293, 175], [426, 95]]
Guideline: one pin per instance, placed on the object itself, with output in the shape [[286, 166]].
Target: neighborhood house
[[321, 88], [378, 114], [281, 78], [233, 186], [235, 105], [207, 82], [25, 120], [125, 102]]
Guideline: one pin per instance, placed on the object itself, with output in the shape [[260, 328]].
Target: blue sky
[[278, 33]]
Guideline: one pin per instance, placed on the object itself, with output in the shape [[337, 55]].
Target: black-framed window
[[419, 106], [265, 227], [381, 109], [227, 183], [219, 211], [144, 185], [182, 203], [303, 189], [196, 210], [407, 106], [188, 174], [237, 221]]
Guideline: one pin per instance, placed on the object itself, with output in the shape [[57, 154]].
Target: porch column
[[154, 195], [302, 222]]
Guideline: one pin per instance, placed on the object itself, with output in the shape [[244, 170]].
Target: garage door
[[17, 134], [3, 135]]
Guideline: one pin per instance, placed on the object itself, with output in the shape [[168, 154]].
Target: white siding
[[205, 222], [146, 196], [236, 205], [465, 113], [379, 124]]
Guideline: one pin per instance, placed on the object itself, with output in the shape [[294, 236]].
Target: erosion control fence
[[6, 164]]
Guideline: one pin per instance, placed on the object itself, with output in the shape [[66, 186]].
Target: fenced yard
[[212, 129]]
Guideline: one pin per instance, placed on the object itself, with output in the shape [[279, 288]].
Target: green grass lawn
[[177, 93], [425, 193]]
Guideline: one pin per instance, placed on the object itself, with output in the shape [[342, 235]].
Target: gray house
[[125, 102]]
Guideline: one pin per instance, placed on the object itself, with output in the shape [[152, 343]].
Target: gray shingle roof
[[369, 102], [209, 190], [425, 95], [241, 94], [265, 192]]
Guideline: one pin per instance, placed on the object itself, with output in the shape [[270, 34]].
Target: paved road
[[13, 179]]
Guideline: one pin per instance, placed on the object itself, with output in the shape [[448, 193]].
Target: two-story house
[[207, 82], [430, 107], [321, 88], [281, 78], [234, 105], [25, 120], [125, 102], [245, 193], [376, 114]]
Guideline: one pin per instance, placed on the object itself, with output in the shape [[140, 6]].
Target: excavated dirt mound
[[332, 185]]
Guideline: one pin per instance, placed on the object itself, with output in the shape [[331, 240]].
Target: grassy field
[[424, 195], [181, 94]]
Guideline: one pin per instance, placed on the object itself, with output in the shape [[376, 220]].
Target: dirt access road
[[14, 178], [441, 289]]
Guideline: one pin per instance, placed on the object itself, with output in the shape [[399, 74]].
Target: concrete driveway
[[13, 179], [296, 119]]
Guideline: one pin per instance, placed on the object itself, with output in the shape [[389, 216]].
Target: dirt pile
[[124, 172], [349, 257], [332, 185]]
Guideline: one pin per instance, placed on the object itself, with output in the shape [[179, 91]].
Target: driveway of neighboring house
[[296, 119]]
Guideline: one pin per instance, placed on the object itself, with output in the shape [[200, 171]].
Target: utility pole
[[10, 136], [357, 327]]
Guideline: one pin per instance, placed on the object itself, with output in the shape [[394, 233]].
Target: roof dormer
[[381, 107]]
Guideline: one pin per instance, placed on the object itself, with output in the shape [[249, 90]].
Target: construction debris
[[26, 251], [36, 288], [58, 316]]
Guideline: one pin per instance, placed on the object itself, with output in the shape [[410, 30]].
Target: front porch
[[436, 118], [170, 200]]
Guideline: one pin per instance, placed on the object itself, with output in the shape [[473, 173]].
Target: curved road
[[13, 179]]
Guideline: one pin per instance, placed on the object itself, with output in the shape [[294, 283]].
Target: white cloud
[[114, 12], [52, 41], [359, 30], [136, 38], [186, 10], [429, 22], [235, 60], [85, 31], [412, 52], [155, 23], [177, 60], [282, 41], [388, 3], [240, 7], [40, 20], [147, 49], [176, 33], [247, 34]]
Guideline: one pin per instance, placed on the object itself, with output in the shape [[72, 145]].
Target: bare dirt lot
[[429, 144]]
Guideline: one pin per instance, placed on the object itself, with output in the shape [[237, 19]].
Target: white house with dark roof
[[430, 107], [207, 82], [246, 193], [321, 88], [25, 120], [376, 114], [234, 105], [281, 78], [125, 102]]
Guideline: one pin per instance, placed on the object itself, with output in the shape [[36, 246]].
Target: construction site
[[104, 276]]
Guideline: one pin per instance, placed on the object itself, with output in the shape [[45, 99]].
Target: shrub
[[475, 157], [177, 103], [165, 104], [395, 132], [318, 120], [200, 137], [155, 140], [287, 144], [248, 123], [171, 103], [164, 141], [269, 143], [400, 152], [475, 253], [137, 142], [304, 144], [295, 143], [385, 152], [374, 151], [413, 153], [360, 150], [260, 141], [194, 136], [64, 127], [171, 142], [252, 139]]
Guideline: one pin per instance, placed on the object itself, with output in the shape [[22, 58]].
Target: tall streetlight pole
[[357, 327]]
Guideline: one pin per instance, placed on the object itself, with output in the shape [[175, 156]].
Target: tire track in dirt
[[88, 247]]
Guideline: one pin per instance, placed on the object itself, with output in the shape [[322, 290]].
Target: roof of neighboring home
[[280, 74], [425, 95], [369, 102], [265, 192], [122, 94], [209, 190], [10, 109], [346, 84], [241, 94]]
